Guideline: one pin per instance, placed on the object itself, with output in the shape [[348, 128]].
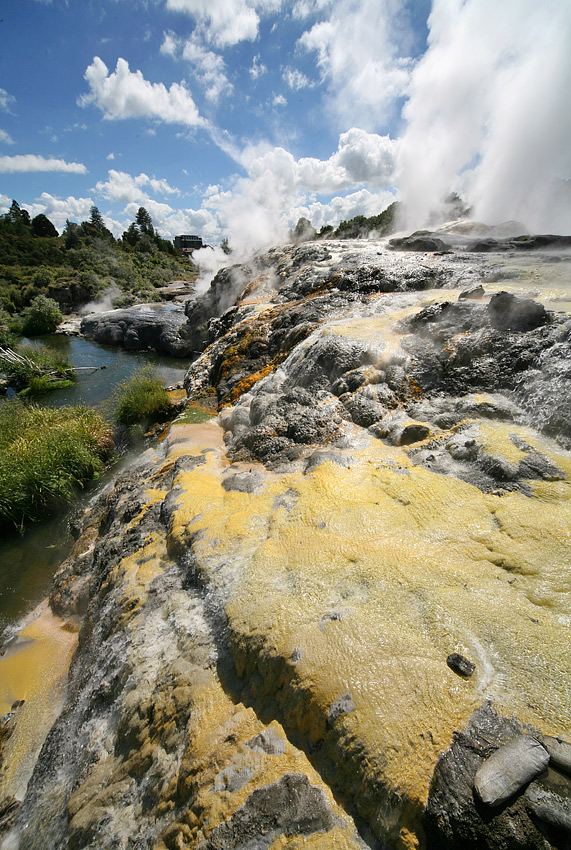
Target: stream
[[28, 561]]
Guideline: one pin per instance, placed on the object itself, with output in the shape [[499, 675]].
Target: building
[[188, 244]]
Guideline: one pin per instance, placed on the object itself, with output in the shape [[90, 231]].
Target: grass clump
[[141, 400], [46, 455]]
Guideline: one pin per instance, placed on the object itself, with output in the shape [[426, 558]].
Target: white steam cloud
[[489, 113]]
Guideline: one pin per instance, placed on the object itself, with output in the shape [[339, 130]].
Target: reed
[[46, 456]]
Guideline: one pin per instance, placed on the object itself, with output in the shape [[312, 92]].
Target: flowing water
[[28, 561]]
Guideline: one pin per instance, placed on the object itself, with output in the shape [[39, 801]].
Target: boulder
[[509, 769], [158, 327]]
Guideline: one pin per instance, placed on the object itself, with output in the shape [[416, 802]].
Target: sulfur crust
[[416, 565]]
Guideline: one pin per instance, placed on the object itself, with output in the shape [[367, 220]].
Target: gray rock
[[460, 664], [419, 241], [509, 312], [474, 293], [549, 807], [268, 741], [244, 482], [559, 752], [509, 768], [160, 327], [343, 705], [291, 806], [232, 779]]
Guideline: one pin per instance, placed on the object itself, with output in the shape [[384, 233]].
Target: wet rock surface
[[161, 328], [268, 601]]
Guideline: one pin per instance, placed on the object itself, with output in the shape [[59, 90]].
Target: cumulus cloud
[[259, 209], [34, 162], [123, 188], [126, 94], [60, 209], [489, 112], [224, 22], [6, 138], [362, 49]]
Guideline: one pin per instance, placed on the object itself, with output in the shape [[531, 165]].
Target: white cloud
[[5, 202], [33, 162], [258, 68], [361, 50], [209, 67], [126, 94], [60, 209], [279, 100], [6, 138], [123, 188], [295, 79], [110, 156], [492, 89], [6, 100], [224, 22]]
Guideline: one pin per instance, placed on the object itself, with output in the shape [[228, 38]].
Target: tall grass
[[46, 455], [142, 399]]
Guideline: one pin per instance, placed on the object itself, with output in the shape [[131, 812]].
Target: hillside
[[83, 263]]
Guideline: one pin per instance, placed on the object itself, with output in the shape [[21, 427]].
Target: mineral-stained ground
[[337, 615]]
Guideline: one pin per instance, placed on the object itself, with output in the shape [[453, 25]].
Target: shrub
[[142, 399], [46, 454], [41, 317]]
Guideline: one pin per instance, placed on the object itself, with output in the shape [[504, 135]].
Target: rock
[[455, 817], [289, 807], [549, 807], [419, 242], [268, 741], [559, 752], [343, 705], [244, 482], [507, 770], [475, 293], [160, 327], [460, 664], [509, 312]]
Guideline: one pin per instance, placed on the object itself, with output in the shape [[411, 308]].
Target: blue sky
[[234, 117]]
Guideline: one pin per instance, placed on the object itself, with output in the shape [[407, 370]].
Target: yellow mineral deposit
[[371, 576], [33, 670]]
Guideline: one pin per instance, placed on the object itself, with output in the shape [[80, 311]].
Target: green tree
[[96, 219], [42, 226], [41, 317], [144, 221]]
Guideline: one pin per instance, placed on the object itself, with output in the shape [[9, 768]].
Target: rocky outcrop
[[157, 327], [331, 616]]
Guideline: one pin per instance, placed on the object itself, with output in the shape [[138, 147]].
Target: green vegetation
[[46, 454], [42, 316], [141, 400], [78, 266], [32, 370]]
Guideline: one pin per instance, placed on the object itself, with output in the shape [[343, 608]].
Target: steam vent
[[332, 607]]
